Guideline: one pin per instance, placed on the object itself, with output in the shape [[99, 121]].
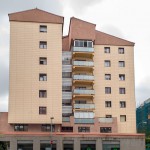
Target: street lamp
[[51, 142]]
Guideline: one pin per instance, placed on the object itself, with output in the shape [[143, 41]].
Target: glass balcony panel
[[83, 77], [66, 68], [66, 109], [84, 106], [105, 120], [83, 63], [66, 95], [84, 114], [65, 119], [82, 49], [83, 121], [66, 81], [80, 91]]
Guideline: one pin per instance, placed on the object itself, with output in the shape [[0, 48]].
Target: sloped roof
[[107, 39], [36, 15], [80, 29]]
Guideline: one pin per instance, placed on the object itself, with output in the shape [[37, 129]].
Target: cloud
[[9, 6], [110, 29], [80, 6], [143, 91]]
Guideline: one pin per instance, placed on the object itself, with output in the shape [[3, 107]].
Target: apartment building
[[68, 92]]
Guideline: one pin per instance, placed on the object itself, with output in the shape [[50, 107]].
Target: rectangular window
[[107, 90], [43, 28], [107, 76], [43, 61], [42, 110], [121, 50], [107, 103], [42, 77], [83, 43], [107, 63], [43, 44], [122, 91], [42, 93], [108, 116], [20, 127], [47, 128], [121, 77], [105, 129], [121, 63], [66, 88], [83, 129], [122, 104], [122, 118], [66, 129], [106, 49], [66, 74]]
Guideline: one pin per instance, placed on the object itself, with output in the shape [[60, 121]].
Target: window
[[122, 118], [108, 116], [107, 90], [83, 43], [121, 50], [66, 129], [121, 77], [43, 44], [107, 63], [42, 93], [107, 76], [107, 103], [122, 104], [83, 129], [106, 49], [66, 74], [66, 88], [42, 110], [43, 61], [80, 102], [20, 127], [47, 128], [105, 129], [122, 91], [42, 77], [43, 28], [121, 64]]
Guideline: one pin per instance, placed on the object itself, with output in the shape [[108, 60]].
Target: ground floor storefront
[[75, 142]]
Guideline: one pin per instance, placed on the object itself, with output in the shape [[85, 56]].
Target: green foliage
[[3, 145]]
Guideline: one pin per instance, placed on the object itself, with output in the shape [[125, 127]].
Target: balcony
[[83, 49], [66, 68], [84, 106], [105, 120], [66, 109], [65, 119], [83, 91], [83, 77], [83, 121], [84, 114], [83, 63], [66, 95]]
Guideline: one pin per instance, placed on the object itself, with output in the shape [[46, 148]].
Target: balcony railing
[[84, 106], [84, 114], [82, 49], [66, 68], [83, 77], [83, 63], [66, 95], [105, 120], [82, 91], [66, 109], [65, 119], [83, 121]]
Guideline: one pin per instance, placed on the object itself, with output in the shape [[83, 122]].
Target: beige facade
[[72, 84], [24, 101]]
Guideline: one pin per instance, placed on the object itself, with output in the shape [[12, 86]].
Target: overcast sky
[[128, 19]]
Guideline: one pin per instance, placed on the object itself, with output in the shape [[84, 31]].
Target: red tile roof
[[36, 15], [107, 39]]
